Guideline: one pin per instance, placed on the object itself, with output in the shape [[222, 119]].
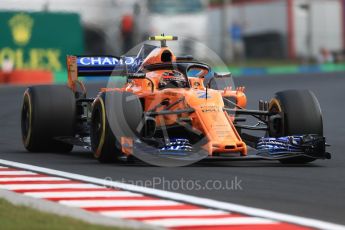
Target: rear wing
[[101, 66]]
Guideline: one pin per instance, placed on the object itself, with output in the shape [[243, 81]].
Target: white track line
[[10, 179], [16, 173], [177, 222], [2, 167], [319, 224], [68, 194], [45, 186], [117, 203], [82, 194], [163, 213]]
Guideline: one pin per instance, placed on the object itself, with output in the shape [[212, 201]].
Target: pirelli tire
[[114, 115], [302, 115], [48, 112]]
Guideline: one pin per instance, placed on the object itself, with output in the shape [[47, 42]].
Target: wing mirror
[[217, 76]]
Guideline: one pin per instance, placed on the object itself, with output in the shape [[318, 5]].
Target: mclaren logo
[[21, 26]]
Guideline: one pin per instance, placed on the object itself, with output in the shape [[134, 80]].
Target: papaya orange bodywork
[[208, 116]]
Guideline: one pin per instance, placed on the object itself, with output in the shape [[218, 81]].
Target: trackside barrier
[[27, 77]]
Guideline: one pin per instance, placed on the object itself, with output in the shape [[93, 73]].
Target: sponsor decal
[[21, 27], [205, 108], [26, 42], [132, 63], [107, 61], [35, 58]]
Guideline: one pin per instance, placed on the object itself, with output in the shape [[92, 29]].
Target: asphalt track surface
[[316, 190]]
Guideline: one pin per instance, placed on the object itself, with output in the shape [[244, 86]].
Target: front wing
[[308, 146]]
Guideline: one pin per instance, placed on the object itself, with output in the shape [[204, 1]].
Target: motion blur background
[[254, 37]]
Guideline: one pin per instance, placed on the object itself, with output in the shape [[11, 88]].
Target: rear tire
[[113, 116], [48, 111], [302, 115]]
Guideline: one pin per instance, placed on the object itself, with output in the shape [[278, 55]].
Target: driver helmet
[[172, 79]]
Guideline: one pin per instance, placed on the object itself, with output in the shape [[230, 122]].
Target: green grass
[[21, 217]]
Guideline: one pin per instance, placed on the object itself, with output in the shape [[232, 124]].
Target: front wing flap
[[312, 146]]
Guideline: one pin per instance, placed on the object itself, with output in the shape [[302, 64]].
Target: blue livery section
[[311, 145], [177, 147], [281, 144], [107, 65], [203, 94]]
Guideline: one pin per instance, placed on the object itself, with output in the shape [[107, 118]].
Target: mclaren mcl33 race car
[[170, 108]]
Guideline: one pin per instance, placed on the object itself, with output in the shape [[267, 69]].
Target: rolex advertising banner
[[39, 40]]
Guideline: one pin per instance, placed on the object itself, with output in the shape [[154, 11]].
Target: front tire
[[114, 115], [302, 115], [48, 111]]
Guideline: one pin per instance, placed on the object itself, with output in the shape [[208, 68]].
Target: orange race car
[[170, 109]]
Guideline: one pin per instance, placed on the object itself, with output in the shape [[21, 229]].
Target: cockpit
[[172, 79], [177, 74]]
